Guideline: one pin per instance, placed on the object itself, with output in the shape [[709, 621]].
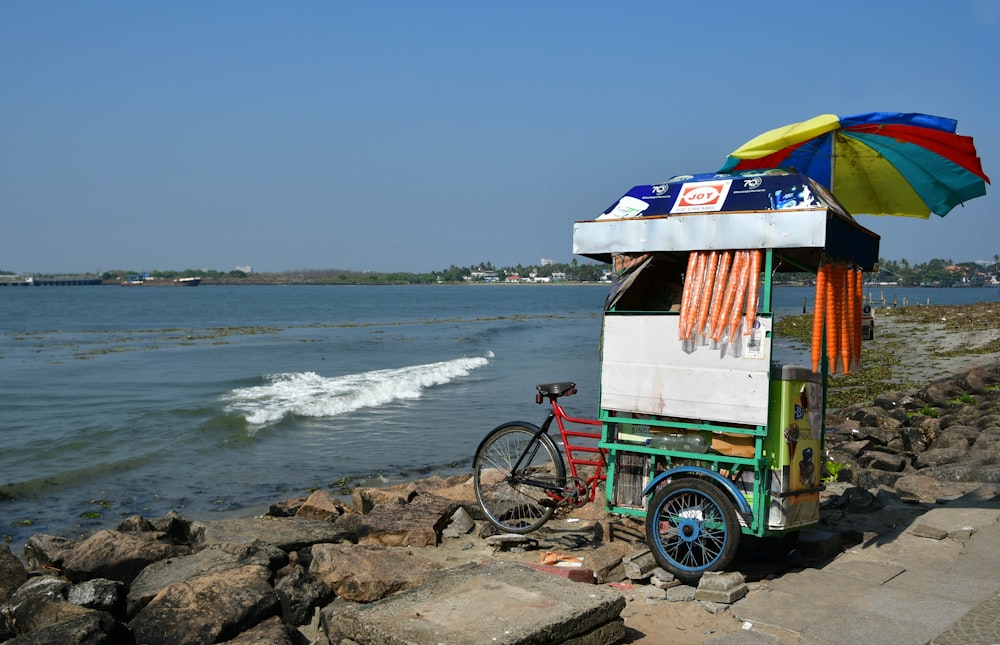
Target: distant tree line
[[934, 273]]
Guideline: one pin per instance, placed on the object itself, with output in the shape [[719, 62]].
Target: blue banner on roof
[[715, 193]]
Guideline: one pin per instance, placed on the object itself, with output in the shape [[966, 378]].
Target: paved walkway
[[911, 589]]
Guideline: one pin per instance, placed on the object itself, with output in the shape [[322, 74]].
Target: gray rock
[[461, 522], [366, 499], [939, 457], [606, 561], [286, 533], [883, 461], [941, 391], [34, 611], [418, 523], [367, 573], [47, 551], [964, 472], [958, 437], [870, 478], [269, 632], [680, 593], [214, 559], [47, 586], [207, 608], [134, 523], [926, 531], [12, 573], [874, 417], [89, 628], [639, 565], [323, 506], [511, 542], [299, 594], [176, 528], [721, 587], [978, 379], [100, 594], [113, 555]]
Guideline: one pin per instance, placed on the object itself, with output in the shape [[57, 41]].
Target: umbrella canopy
[[880, 163]]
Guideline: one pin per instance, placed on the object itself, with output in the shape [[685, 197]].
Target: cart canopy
[[777, 209]]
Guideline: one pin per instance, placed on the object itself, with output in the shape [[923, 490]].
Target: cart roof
[[756, 190], [777, 209]]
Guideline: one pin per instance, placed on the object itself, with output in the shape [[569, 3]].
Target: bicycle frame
[[588, 455]]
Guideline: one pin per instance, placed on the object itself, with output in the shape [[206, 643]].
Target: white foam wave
[[310, 395]]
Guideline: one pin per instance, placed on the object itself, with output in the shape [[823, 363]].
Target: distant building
[[245, 269], [546, 262], [558, 275], [485, 276]]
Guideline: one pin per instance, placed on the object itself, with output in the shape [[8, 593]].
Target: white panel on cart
[[646, 369]]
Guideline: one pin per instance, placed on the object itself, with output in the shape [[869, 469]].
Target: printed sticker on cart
[[702, 196]]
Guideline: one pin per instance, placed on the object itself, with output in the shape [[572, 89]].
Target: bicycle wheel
[[517, 502], [691, 528]]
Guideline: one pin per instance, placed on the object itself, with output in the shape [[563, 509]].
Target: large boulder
[[921, 488], [368, 573], [940, 392], [207, 608], [43, 551], [286, 533], [978, 379], [321, 505], [418, 523], [114, 555], [214, 559], [44, 619]]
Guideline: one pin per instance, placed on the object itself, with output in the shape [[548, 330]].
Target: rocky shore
[[298, 574]]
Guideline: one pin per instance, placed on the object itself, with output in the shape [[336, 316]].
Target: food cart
[[707, 437]]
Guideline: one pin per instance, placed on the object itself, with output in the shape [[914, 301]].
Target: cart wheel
[[691, 528]]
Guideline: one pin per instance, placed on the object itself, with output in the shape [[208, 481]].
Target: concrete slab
[[872, 572], [887, 617], [474, 604]]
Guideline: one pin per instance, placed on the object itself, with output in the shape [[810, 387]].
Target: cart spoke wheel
[[691, 528]]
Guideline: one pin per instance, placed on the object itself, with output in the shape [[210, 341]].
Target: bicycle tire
[[691, 528], [512, 506]]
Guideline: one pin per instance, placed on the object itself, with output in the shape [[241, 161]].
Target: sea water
[[219, 400]]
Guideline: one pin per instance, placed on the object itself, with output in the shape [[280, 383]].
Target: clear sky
[[408, 136]]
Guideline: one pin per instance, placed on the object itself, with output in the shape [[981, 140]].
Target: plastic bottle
[[688, 442]]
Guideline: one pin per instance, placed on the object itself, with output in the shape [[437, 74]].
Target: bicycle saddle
[[554, 390]]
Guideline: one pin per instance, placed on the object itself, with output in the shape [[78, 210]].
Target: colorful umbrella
[[881, 163]]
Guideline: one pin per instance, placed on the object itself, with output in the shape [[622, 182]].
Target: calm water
[[220, 400]]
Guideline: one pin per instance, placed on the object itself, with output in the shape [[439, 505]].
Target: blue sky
[[408, 136]]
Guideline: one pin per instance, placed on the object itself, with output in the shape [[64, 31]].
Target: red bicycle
[[520, 475]]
